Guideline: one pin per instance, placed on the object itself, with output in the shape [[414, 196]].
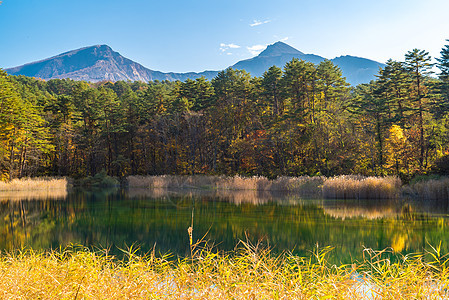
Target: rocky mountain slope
[[101, 63], [97, 63]]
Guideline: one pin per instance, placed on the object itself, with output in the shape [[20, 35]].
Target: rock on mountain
[[100, 63], [97, 63]]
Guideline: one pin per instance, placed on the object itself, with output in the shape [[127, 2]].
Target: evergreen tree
[[418, 63], [443, 65], [271, 89]]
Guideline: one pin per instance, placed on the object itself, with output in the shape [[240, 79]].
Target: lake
[[159, 219]]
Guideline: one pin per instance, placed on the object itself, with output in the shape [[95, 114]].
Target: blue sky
[[198, 35]]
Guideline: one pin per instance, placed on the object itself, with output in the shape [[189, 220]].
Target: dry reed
[[340, 187], [433, 189], [302, 184], [248, 273], [361, 187], [34, 184]]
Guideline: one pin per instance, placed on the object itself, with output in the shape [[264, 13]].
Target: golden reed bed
[[34, 189], [247, 273], [340, 187], [33, 184]]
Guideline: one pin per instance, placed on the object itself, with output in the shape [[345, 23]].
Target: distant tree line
[[302, 119]]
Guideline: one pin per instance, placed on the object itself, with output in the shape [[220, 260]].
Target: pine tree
[[418, 63], [443, 65]]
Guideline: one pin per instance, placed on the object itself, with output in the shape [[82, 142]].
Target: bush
[[99, 180]]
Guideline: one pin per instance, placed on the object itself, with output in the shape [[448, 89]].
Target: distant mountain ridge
[[101, 63], [356, 69], [97, 63]]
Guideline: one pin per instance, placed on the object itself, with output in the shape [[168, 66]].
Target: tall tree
[[443, 65], [418, 63], [394, 81], [371, 104], [10, 119], [271, 89]]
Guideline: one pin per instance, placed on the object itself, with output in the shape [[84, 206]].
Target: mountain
[[277, 54], [356, 69], [97, 63], [100, 63]]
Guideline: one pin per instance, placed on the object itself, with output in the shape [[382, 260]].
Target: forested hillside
[[302, 119]]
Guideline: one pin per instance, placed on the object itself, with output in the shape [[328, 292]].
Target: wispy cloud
[[225, 47], [257, 23], [284, 39], [256, 49]]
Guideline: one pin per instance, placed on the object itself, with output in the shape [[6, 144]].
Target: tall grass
[[361, 187], [34, 184], [34, 189], [340, 187], [247, 273], [433, 189]]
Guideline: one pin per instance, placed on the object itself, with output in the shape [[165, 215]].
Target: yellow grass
[[247, 273], [340, 187], [34, 189], [360, 187], [34, 184]]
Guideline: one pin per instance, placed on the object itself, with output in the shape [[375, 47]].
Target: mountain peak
[[95, 50], [100, 62], [279, 48], [97, 63]]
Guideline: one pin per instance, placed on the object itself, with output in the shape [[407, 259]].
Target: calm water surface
[[160, 218]]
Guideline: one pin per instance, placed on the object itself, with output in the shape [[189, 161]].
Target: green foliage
[[98, 180], [299, 120]]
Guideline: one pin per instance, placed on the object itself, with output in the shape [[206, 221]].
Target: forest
[[303, 119]]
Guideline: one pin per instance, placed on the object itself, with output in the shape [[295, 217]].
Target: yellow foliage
[[396, 138], [396, 144]]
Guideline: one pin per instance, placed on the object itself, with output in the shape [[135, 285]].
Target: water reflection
[[366, 209], [116, 218], [52, 194], [237, 197]]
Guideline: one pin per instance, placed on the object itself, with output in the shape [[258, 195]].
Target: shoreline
[[338, 187]]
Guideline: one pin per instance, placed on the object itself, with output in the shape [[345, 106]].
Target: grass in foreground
[[248, 273]]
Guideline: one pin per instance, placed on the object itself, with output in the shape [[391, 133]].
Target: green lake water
[[159, 219]]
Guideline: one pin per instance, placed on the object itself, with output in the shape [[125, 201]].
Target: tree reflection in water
[[117, 218]]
